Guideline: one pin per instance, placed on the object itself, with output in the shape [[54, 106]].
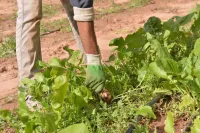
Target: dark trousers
[[82, 3]]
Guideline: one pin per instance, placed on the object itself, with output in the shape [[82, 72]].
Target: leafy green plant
[[66, 101], [159, 59], [161, 56], [169, 123]]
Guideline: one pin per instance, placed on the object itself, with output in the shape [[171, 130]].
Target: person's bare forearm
[[88, 37], [84, 16]]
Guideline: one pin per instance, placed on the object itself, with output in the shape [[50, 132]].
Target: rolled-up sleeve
[[83, 10]]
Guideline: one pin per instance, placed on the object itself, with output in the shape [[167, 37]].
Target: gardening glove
[[95, 78]]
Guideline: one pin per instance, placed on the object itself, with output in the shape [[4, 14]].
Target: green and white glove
[[95, 78]]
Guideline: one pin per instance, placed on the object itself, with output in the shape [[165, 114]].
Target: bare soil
[[107, 27]]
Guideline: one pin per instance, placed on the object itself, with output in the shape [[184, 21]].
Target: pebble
[[3, 69]]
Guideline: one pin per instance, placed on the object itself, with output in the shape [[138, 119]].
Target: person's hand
[[95, 78]]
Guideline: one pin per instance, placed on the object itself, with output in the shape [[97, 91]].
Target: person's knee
[[83, 10], [30, 11]]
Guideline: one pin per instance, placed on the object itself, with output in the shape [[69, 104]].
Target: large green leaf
[[136, 40], [185, 102], [56, 62], [197, 48], [186, 67], [75, 57], [168, 65], [169, 123], [78, 101], [76, 128], [41, 64], [142, 73], [111, 58], [155, 130], [153, 25], [162, 51], [84, 93], [171, 25], [60, 81], [60, 88], [157, 71], [29, 127], [39, 77], [194, 86], [28, 83], [196, 26], [70, 51], [184, 20], [24, 112], [5, 115], [196, 70], [146, 111], [118, 42], [196, 127], [49, 121]]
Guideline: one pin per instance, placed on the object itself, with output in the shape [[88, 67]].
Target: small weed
[[137, 3], [49, 10], [112, 9], [62, 24], [14, 15], [125, 31], [7, 47], [115, 8]]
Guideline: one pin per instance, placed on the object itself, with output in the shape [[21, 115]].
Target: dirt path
[[107, 27]]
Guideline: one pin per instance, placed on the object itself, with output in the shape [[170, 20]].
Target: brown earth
[[107, 27]]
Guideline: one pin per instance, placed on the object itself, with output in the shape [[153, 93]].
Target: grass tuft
[[62, 24], [115, 8], [7, 47], [49, 10]]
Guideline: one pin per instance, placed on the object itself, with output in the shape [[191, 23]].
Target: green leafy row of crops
[[162, 58]]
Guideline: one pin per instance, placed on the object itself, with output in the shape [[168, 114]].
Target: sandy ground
[[107, 27]]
